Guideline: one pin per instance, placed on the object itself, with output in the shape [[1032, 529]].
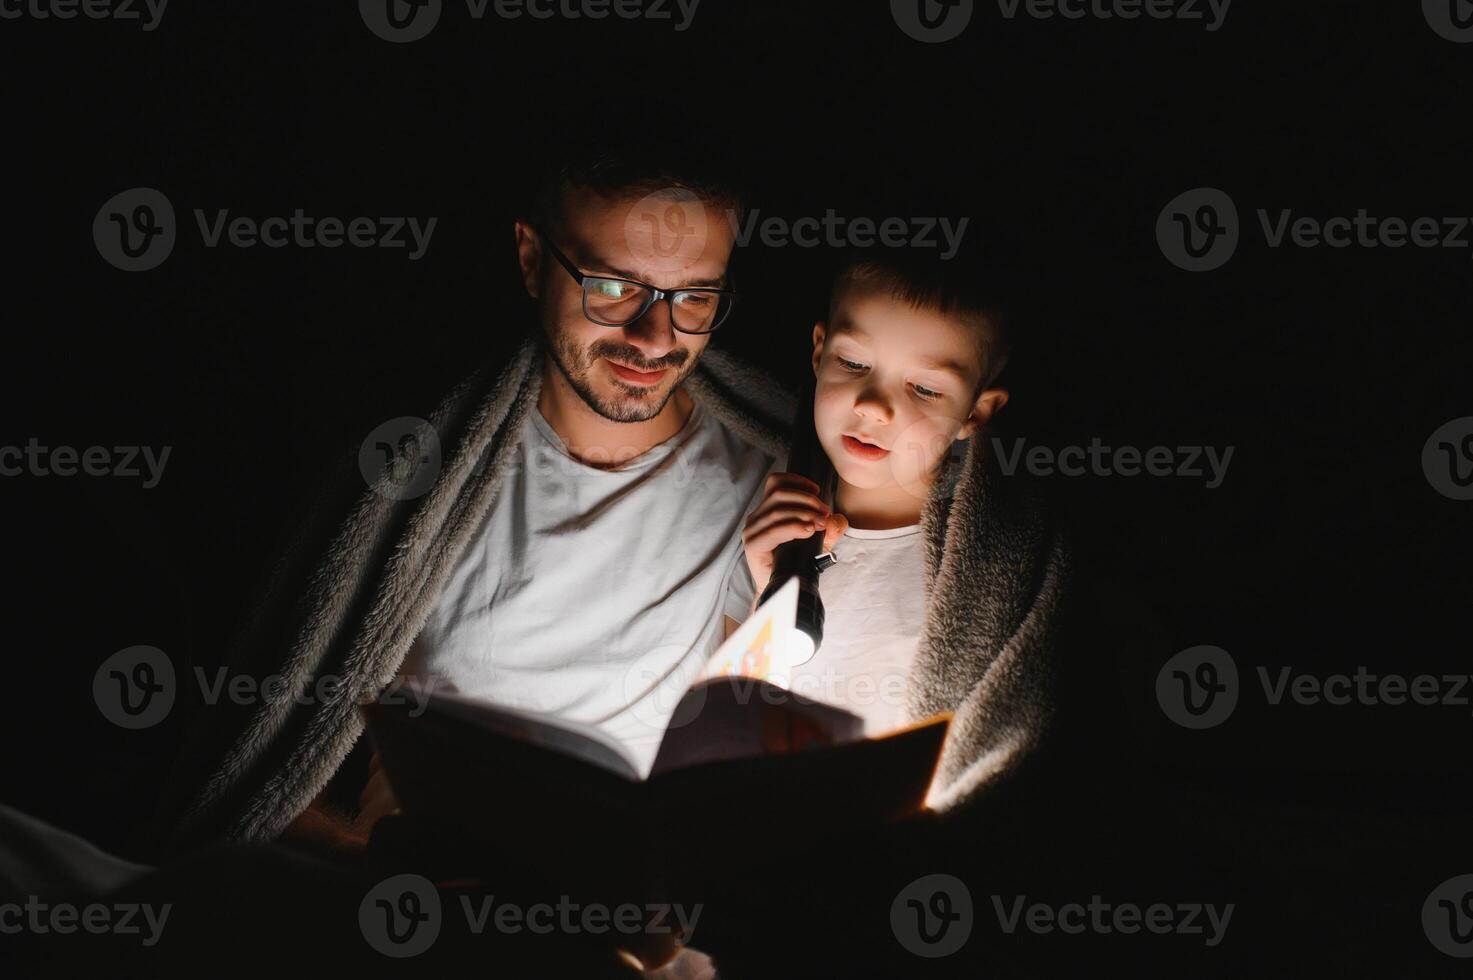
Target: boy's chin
[[879, 476], [876, 476]]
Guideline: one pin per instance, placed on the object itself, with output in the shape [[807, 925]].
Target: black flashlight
[[799, 558]]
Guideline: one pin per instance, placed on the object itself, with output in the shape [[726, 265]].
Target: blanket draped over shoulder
[[353, 590]]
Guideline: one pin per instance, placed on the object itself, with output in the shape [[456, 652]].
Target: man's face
[[667, 240], [895, 387]]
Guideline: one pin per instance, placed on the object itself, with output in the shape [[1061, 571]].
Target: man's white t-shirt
[[874, 599], [597, 594]]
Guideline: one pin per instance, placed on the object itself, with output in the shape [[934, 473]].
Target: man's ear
[[819, 330], [529, 256], [988, 404]]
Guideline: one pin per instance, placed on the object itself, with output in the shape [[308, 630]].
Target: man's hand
[[321, 831], [790, 510], [377, 799]]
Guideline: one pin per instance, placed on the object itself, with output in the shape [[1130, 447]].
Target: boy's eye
[[925, 392], [849, 365]]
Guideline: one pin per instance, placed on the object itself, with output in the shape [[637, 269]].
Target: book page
[[843, 791], [744, 717], [740, 707], [761, 646], [585, 742]]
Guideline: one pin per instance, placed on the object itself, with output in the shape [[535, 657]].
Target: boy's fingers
[[788, 495], [780, 533], [760, 522], [834, 529], [774, 513], [793, 481]]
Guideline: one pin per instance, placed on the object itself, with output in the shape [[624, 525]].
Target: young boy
[[905, 366]]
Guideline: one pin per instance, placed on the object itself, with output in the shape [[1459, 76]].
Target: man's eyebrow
[[606, 270]]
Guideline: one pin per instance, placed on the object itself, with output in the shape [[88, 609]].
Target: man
[[575, 553], [594, 588]]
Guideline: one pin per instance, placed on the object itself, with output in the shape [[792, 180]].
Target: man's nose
[[653, 334]]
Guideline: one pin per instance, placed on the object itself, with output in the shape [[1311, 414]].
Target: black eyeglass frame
[[653, 294]]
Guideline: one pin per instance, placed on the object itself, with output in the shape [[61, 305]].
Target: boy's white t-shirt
[[874, 599], [597, 594]]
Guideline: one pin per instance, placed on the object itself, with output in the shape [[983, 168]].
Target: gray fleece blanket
[[357, 585]]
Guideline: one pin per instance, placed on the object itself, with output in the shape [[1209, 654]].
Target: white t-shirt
[[597, 594], [874, 599]]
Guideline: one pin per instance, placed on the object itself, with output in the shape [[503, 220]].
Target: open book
[[741, 758]]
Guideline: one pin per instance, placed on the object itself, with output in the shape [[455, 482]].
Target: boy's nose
[[871, 407]]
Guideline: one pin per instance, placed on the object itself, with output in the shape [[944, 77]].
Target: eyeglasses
[[613, 302]]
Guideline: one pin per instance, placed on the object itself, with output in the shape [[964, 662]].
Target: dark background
[[1327, 369]]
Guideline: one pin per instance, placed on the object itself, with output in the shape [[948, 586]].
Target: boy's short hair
[[634, 165], [950, 288]]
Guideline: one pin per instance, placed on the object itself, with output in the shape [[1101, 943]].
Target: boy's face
[[896, 386]]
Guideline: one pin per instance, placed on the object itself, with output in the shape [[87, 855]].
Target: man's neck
[[600, 442], [879, 508]]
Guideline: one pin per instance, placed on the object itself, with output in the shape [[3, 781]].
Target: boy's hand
[[790, 510]]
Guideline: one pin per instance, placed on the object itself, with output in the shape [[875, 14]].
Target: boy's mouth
[[864, 450]]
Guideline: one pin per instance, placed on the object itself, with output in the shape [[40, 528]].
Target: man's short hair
[[633, 167], [951, 288]]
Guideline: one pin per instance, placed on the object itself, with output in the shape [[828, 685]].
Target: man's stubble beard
[[575, 364]]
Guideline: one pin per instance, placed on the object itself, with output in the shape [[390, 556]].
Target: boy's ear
[[529, 256], [820, 329], [989, 403]]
